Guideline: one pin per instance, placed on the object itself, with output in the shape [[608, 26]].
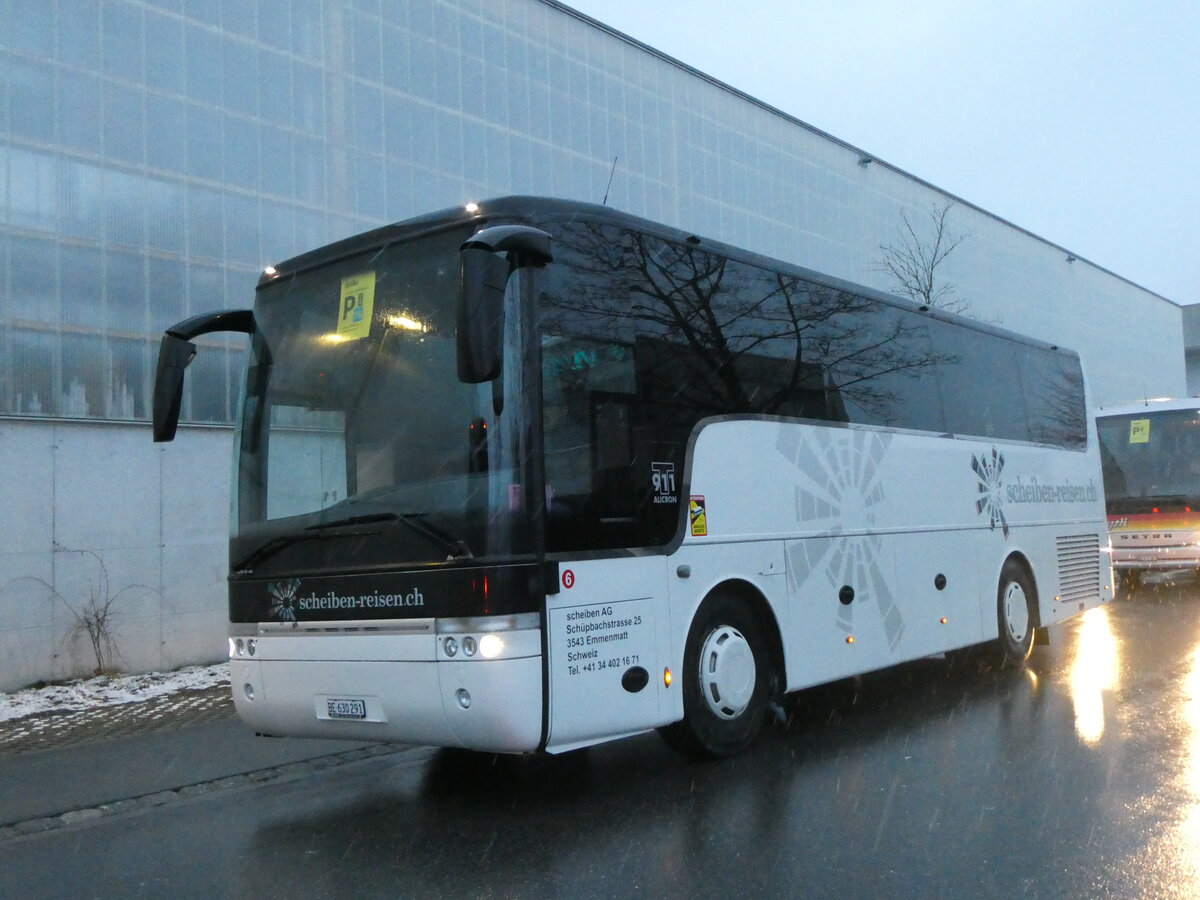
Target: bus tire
[[726, 679], [1016, 615]]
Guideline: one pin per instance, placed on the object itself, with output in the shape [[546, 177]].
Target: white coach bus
[[530, 475], [1150, 454]]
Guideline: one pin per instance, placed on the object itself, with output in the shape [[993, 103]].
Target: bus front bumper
[[390, 688], [1185, 556]]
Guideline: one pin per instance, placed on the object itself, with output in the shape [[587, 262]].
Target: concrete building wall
[[1191, 347], [155, 154], [96, 512]]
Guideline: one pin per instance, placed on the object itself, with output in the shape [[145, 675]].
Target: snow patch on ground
[[110, 691]]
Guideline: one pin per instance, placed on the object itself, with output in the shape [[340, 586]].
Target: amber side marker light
[[666, 677], [945, 620], [850, 639]]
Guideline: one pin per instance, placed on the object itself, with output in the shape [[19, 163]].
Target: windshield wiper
[[1162, 499], [455, 546], [1132, 505], [417, 521], [355, 520], [318, 533]]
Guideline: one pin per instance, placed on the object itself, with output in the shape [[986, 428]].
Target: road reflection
[[1160, 818], [1095, 671], [869, 776], [1189, 829]]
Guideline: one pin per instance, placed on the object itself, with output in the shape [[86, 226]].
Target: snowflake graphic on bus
[[283, 599], [990, 472], [840, 482]]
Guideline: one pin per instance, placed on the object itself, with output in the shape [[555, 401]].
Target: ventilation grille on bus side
[[1078, 567]]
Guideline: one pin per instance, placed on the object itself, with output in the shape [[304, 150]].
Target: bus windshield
[[1151, 461], [358, 445]]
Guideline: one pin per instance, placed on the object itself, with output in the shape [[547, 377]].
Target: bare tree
[[94, 617], [913, 261]]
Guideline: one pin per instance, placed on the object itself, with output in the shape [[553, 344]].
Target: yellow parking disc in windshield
[[357, 302]]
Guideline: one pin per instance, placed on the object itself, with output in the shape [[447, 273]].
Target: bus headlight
[[489, 637], [491, 646]]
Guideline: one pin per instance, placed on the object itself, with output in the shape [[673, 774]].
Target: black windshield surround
[[359, 449], [1151, 461]]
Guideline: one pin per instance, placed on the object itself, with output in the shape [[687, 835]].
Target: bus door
[[606, 646], [605, 622]]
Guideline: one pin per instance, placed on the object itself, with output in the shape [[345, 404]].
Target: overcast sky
[[1078, 120]]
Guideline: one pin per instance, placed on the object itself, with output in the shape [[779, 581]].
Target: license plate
[[346, 709]]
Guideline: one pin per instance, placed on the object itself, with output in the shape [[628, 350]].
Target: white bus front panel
[[356, 686]]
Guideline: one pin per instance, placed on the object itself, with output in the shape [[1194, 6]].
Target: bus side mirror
[[481, 294], [174, 355], [481, 315]]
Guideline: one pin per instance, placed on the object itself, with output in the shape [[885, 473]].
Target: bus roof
[[546, 209], [1158, 404]]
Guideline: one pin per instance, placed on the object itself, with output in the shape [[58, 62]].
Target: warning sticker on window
[[697, 517], [358, 300]]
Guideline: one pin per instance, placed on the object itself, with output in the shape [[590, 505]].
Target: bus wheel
[[726, 673], [1016, 601]]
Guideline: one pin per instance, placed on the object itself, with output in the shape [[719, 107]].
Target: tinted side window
[[701, 334], [717, 337], [713, 336], [982, 389], [642, 338], [1054, 396], [879, 362], [614, 463]]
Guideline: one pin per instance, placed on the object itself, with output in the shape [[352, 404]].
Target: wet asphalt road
[[1077, 778]]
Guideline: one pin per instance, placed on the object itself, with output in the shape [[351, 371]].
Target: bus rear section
[[1151, 461]]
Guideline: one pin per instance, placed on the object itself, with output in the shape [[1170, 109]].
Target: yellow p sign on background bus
[[357, 303], [1139, 431]]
